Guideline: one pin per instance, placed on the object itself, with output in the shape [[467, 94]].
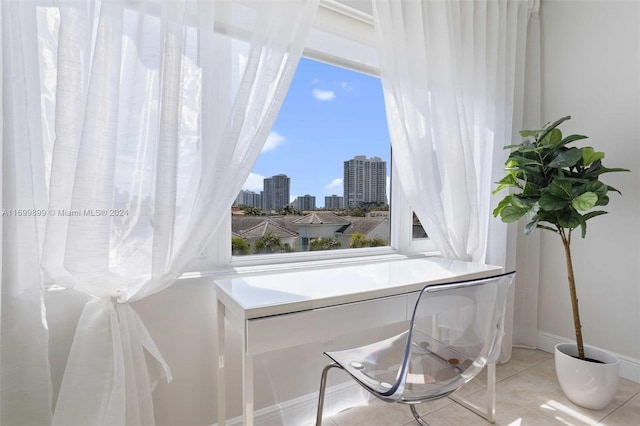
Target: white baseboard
[[629, 367], [302, 410]]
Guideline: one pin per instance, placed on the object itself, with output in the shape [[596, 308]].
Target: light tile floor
[[527, 393]]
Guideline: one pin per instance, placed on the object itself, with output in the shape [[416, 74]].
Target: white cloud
[[323, 95], [274, 140], [254, 182], [336, 183], [315, 81], [346, 86]]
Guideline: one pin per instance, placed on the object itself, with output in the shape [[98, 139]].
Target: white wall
[[590, 70]]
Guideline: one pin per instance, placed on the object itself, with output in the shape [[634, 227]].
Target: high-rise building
[[306, 202], [249, 198], [365, 181], [276, 192], [333, 202]]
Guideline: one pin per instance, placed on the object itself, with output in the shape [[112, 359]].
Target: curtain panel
[[25, 384], [453, 74], [131, 125]]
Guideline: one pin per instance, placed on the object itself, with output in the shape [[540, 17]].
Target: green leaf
[[552, 138], [520, 202], [520, 160], [589, 155], [511, 213], [549, 216], [555, 124], [611, 188], [533, 211], [528, 133], [593, 214], [584, 201], [560, 188], [596, 169], [594, 186], [569, 139], [588, 216], [502, 204], [583, 228], [576, 180], [615, 169], [531, 190], [523, 148], [551, 203], [567, 158], [603, 200], [530, 227], [506, 182], [548, 228], [570, 220]]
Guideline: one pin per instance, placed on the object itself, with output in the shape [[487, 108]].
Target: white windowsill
[[249, 269]]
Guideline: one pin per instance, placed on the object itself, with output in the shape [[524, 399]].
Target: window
[[417, 230], [301, 170], [322, 180]]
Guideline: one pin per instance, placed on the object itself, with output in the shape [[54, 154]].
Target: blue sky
[[329, 116]]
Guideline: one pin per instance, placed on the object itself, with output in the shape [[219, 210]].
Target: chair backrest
[[455, 330]]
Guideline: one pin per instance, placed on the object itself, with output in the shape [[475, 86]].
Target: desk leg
[[247, 385], [222, 418]]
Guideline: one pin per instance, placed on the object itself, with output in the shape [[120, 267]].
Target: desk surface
[[292, 291]]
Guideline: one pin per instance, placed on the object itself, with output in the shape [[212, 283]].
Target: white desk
[[283, 309]]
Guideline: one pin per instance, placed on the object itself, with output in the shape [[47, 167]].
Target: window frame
[[353, 25]]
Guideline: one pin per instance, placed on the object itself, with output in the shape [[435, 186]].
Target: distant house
[[319, 225], [371, 227], [299, 231], [267, 225]]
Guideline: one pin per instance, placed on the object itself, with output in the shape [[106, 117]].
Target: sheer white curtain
[[25, 385], [453, 75], [153, 113]]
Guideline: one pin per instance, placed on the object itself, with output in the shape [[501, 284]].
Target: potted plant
[[557, 187]]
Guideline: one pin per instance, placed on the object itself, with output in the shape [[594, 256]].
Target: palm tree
[[269, 243]]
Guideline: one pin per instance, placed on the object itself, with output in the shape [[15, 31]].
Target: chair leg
[[417, 416], [323, 385], [489, 413]]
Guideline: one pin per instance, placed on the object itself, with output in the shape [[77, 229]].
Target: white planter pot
[[588, 384]]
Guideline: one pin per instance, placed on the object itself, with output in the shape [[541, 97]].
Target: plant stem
[[566, 241]]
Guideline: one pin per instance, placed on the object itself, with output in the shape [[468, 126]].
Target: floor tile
[[431, 420], [528, 394], [375, 413], [431, 406], [626, 390], [521, 360], [326, 421], [626, 415], [470, 388]]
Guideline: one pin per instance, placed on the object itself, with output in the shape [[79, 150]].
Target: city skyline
[[330, 114], [363, 185]]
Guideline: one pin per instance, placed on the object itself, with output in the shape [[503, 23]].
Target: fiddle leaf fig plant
[[555, 187]]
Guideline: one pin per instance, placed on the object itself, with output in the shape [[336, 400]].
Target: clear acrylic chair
[[455, 331]]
